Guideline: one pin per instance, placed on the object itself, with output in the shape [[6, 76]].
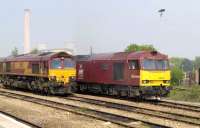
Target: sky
[[106, 25]]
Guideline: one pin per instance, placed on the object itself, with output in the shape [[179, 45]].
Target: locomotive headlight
[[53, 77], [166, 81], [145, 81]]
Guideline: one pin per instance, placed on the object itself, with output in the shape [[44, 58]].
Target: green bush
[[176, 75], [185, 93], [137, 47]]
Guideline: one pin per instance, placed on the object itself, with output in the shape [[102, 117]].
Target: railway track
[[194, 120], [126, 121], [21, 120], [164, 103], [194, 108], [100, 115]]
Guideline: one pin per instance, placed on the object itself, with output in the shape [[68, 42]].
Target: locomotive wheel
[[29, 86], [45, 90], [33, 86]]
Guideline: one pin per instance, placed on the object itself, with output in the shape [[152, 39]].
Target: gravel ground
[[120, 112], [48, 117], [144, 105]]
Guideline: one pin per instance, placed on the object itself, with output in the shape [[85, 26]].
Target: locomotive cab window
[[56, 64], [69, 63], [155, 64], [133, 64], [118, 71]]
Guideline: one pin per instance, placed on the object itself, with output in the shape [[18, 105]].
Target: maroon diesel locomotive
[[132, 74]]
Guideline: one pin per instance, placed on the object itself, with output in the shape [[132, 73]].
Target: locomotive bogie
[[124, 90]]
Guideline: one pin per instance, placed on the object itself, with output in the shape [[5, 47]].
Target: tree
[[136, 47], [176, 75], [197, 62], [14, 52], [183, 63], [176, 61], [34, 51], [178, 67], [187, 65]]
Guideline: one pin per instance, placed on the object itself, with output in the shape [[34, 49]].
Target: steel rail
[[100, 115], [130, 108], [176, 105]]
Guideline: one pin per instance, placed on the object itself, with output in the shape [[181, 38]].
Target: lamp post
[[161, 11]]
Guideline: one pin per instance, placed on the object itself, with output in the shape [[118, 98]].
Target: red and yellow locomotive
[[132, 74], [47, 72]]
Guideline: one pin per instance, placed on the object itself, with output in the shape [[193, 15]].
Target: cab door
[[133, 72]]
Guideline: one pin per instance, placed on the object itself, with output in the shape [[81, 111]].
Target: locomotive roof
[[126, 56], [36, 57]]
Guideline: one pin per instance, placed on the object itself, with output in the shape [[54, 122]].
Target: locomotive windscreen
[[155, 64], [56, 64], [69, 63]]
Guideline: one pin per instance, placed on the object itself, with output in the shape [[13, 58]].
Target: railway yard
[[58, 90], [96, 111], [99, 64]]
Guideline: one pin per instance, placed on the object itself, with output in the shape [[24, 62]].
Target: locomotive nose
[[154, 78], [62, 75]]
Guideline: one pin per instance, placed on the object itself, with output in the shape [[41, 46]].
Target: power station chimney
[[27, 13]]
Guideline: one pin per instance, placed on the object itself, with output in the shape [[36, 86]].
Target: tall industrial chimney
[[27, 14]]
